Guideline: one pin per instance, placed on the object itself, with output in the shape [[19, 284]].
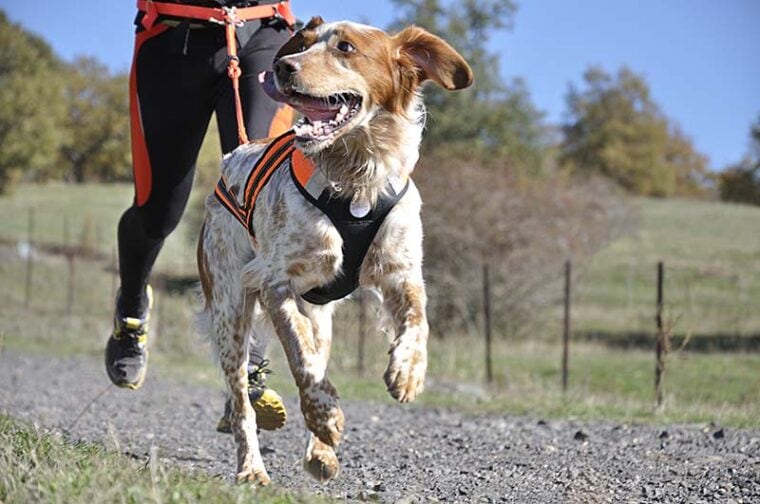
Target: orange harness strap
[[153, 9], [230, 17], [275, 154]]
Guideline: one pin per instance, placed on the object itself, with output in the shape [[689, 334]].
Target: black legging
[[178, 80]]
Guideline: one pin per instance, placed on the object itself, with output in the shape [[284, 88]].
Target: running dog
[[325, 208]]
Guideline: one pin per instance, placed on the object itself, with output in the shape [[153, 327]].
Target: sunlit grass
[[36, 466], [711, 253]]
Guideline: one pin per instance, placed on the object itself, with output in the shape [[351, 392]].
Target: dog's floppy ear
[[432, 58], [302, 39], [314, 22]]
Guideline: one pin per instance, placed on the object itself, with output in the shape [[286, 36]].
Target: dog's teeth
[[302, 129], [343, 109]]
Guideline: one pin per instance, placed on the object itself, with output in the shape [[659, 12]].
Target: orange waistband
[[217, 15]]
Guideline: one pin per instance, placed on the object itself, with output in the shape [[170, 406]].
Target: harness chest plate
[[357, 232]]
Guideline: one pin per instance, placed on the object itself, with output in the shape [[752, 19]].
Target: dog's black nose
[[285, 68]]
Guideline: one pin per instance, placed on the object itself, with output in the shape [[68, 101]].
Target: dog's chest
[[323, 239]]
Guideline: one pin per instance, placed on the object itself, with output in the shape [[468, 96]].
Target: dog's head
[[344, 75]]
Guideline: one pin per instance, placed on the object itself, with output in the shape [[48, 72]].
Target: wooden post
[[659, 369], [487, 321], [362, 330], [29, 259], [566, 325]]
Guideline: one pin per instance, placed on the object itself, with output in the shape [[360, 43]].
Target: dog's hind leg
[[307, 350], [228, 315], [235, 365]]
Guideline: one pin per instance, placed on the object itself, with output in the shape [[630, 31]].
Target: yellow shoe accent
[[270, 411], [133, 323]]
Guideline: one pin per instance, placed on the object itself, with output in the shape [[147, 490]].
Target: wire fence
[[73, 272]]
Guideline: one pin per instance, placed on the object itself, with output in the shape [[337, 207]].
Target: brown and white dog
[[358, 90]]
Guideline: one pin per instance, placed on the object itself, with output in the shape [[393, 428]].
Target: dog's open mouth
[[322, 117]]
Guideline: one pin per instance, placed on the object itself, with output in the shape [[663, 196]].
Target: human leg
[[171, 102]]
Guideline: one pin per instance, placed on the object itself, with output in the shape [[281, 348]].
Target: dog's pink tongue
[[316, 113], [313, 108], [266, 79]]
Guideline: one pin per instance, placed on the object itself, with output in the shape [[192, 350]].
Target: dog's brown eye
[[345, 47]]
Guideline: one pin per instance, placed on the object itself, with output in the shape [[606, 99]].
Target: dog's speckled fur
[[252, 286]]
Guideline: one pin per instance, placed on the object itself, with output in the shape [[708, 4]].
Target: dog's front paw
[[320, 461], [405, 375], [257, 478], [322, 413]]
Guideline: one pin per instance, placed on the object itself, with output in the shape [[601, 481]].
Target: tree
[[97, 146], [492, 118], [615, 129], [741, 182], [30, 105]]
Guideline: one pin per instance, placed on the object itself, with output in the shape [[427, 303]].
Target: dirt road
[[397, 452]]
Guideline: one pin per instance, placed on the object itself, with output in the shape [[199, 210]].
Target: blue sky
[[701, 58]]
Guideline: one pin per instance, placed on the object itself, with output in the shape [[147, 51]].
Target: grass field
[[711, 253], [694, 238], [37, 466]]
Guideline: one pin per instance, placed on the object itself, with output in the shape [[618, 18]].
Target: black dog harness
[[357, 232]]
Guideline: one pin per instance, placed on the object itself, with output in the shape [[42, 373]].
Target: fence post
[[659, 369], [566, 324], [487, 321], [362, 330], [29, 259]]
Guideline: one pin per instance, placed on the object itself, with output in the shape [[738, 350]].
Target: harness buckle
[[230, 16]]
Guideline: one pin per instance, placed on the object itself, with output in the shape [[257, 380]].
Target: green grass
[[37, 466], [91, 212], [711, 253], [603, 382]]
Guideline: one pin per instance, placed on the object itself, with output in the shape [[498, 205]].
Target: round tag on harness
[[359, 207]]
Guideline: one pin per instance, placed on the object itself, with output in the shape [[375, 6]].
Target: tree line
[[70, 120], [59, 120]]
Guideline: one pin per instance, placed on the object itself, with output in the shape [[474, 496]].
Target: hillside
[[711, 253]]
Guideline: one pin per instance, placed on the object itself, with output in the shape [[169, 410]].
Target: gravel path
[[390, 453]]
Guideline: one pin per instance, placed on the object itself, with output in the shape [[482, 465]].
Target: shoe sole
[[270, 411], [131, 385], [270, 414]]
